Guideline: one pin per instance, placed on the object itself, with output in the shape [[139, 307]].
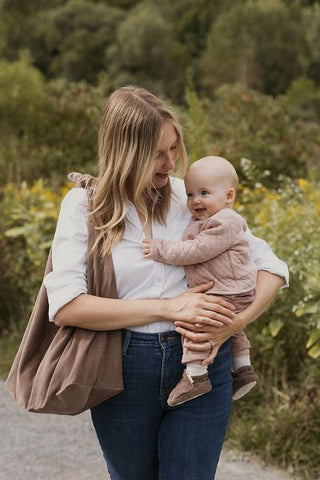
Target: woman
[[142, 438]]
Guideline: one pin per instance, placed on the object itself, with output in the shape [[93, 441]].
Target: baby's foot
[[244, 379], [189, 388]]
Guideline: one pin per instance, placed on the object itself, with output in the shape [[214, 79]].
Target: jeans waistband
[[164, 339]]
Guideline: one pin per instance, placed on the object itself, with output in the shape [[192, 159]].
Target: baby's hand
[[146, 248]]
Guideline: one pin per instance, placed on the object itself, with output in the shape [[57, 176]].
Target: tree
[[247, 124], [192, 20], [47, 129], [22, 95], [259, 44], [311, 23], [303, 99], [125, 4], [70, 40], [145, 52], [18, 21]]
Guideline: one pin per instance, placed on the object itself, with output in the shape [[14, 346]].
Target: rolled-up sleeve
[[265, 259], [68, 278]]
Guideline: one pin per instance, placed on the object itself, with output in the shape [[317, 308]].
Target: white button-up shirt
[[136, 277]]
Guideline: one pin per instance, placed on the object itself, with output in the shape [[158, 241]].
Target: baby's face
[[205, 194]]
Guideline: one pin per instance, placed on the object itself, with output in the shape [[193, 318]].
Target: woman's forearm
[[97, 313]]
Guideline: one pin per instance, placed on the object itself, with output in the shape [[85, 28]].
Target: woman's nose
[[171, 160]]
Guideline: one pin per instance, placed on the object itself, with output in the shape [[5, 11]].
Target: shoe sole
[[188, 399], [243, 390]]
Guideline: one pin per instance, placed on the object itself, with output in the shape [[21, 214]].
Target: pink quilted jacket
[[214, 249]]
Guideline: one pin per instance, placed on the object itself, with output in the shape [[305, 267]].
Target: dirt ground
[[51, 447]]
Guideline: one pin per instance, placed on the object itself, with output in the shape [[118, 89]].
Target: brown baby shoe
[[189, 388], [244, 379]]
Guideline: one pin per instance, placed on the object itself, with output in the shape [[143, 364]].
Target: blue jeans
[[141, 437]]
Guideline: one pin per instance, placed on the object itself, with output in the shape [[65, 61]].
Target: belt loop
[[126, 341]]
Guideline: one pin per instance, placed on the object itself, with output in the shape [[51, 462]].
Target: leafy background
[[244, 76]]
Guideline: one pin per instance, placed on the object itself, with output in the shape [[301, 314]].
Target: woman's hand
[[146, 247], [195, 308], [267, 286], [207, 336]]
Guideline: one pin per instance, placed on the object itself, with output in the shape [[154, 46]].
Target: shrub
[[27, 219], [280, 419], [244, 123], [50, 128]]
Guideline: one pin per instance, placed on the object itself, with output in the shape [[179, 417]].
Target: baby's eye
[[204, 193], [189, 195]]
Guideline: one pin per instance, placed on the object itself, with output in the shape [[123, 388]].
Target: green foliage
[[9, 345], [50, 128], [311, 24], [245, 123], [22, 96], [70, 131], [287, 218], [18, 22], [74, 38], [280, 419], [125, 4], [303, 99], [260, 44], [23, 107], [27, 220], [66, 39], [196, 127], [264, 45], [283, 429], [162, 68], [192, 20]]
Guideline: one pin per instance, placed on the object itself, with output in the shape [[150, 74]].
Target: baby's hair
[[234, 178], [223, 167]]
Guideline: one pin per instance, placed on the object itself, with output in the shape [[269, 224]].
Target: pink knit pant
[[238, 342]]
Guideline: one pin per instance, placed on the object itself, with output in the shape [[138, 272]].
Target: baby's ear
[[231, 195]]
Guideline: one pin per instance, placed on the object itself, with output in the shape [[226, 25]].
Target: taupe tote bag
[[66, 370]]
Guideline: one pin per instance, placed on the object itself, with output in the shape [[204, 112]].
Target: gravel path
[[51, 447]]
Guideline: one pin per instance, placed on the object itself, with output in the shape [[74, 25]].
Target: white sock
[[241, 361], [194, 369]]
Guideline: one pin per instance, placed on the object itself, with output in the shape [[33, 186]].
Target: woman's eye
[[204, 193], [159, 154], [174, 147]]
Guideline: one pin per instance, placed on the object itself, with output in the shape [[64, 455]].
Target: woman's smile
[[166, 156]]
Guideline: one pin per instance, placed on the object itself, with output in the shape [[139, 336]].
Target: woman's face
[[165, 160]]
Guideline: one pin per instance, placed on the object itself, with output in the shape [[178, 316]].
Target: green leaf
[[15, 232], [307, 309], [313, 338], [314, 352], [275, 327]]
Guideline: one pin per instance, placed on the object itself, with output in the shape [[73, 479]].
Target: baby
[[214, 248]]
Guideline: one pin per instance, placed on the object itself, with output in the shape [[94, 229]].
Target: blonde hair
[[130, 131]]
